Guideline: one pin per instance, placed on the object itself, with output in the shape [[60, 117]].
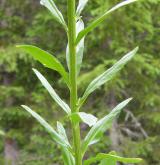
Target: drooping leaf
[[79, 47], [52, 92], [103, 124], [46, 59], [111, 159], [107, 75], [81, 5], [50, 5], [88, 119], [48, 127], [68, 158], [100, 19]]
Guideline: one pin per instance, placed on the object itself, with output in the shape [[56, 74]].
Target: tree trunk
[[10, 146]]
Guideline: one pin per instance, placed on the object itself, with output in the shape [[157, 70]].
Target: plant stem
[[73, 79]]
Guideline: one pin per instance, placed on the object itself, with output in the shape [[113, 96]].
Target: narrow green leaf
[[67, 156], [103, 124], [46, 59], [52, 92], [107, 75], [88, 119], [79, 48], [48, 127], [50, 5], [81, 5], [111, 159], [100, 19]]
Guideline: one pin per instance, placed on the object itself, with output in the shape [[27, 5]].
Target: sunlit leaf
[[100, 19], [46, 59], [107, 75], [52, 92], [111, 159], [50, 5], [103, 124], [88, 119], [48, 127], [81, 5]]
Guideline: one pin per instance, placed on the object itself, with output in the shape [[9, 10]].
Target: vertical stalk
[[73, 79]]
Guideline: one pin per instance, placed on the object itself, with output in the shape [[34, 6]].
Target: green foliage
[[105, 44], [74, 55]]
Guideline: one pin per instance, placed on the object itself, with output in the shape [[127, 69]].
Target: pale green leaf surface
[[61, 131], [103, 124], [48, 127], [81, 5], [88, 119], [107, 75], [46, 59], [52, 92], [100, 19], [50, 5]]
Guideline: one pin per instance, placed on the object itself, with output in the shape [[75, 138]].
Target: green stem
[[73, 79]]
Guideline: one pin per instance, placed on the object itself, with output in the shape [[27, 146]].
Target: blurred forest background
[[136, 133]]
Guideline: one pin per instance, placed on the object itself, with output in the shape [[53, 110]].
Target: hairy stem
[[73, 79]]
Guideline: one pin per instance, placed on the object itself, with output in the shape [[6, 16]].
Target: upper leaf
[[79, 48], [48, 127], [46, 59], [107, 75], [81, 5], [52, 92], [80, 45], [100, 19], [111, 159], [50, 5], [103, 124]]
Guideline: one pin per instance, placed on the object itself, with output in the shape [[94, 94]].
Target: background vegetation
[[135, 133]]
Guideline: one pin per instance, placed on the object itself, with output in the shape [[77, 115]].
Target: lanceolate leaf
[[95, 23], [62, 131], [111, 159], [81, 5], [50, 5], [46, 59], [107, 75], [79, 48], [52, 92], [48, 127], [103, 124]]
